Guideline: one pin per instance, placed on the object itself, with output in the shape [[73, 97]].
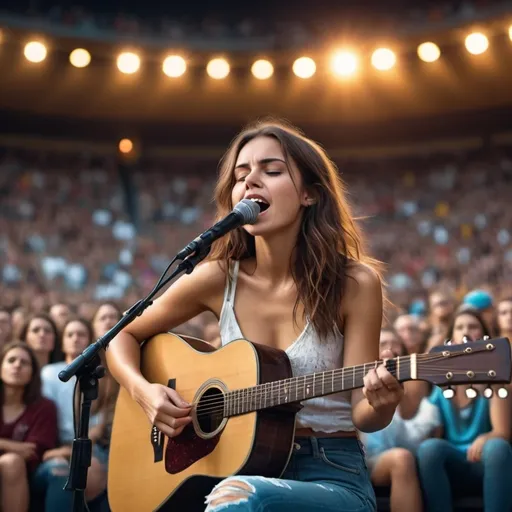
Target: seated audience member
[[390, 452], [28, 425], [481, 301], [474, 451], [104, 318], [441, 307], [51, 475], [408, 328], [5, 326], [40, 333], [504, 317], [60, 313]]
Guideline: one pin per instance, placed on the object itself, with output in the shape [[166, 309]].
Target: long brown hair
[[329, 236], [32, 390]]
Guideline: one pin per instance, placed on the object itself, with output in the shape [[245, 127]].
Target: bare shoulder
[[362, 280]]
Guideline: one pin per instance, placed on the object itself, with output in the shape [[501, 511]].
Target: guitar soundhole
[[210, 410]]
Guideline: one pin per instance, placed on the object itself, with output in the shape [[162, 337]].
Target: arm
[[373, 406], [415, 391], [22, 448], [187, 297]]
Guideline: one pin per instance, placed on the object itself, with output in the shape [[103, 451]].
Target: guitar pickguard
[[183, 450]]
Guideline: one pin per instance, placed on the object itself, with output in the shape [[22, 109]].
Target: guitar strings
[[267, 387], [356, 371], [241, 401], [237, 402]]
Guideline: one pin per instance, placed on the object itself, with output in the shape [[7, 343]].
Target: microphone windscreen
[[249, 210]]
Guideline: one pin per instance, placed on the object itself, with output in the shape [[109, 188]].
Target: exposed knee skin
[[229, 492], [14, 483], [404, 463], [12, 467]]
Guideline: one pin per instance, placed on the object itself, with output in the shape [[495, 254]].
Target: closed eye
[[274, 173]]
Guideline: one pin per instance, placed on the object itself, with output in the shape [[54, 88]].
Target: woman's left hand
[[381, 389]]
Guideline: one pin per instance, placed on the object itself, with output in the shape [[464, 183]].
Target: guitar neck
[[314, 385]]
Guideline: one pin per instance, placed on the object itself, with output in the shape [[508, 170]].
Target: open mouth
[[264, 206]]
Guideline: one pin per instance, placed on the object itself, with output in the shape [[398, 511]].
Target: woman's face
[[40, 335], [467, 325], [16, 368], [388, 341], [75, 339], [261, 171], [505, 316], [106, 317]]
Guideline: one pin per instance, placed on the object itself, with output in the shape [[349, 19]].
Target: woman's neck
[[13, 395], [43, 358], [274, 256]]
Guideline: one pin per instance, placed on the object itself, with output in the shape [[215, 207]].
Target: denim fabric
[[444, 469], [323, 475]]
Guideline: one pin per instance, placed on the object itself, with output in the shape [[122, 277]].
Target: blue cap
[[418, 308], [478, 299]]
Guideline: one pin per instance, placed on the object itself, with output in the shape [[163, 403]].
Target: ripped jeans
[[323, 475]]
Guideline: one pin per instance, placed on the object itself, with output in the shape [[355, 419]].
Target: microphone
[[245, 212]]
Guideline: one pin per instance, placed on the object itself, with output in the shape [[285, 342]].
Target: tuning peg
[[485, 338], [448, 393], [488, 392], [503, 392], [471, 392], [447, 342], [465, 339]]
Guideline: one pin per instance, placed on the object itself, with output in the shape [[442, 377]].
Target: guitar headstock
[[486, 361]]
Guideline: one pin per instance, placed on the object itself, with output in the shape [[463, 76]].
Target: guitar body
[[148, 471]]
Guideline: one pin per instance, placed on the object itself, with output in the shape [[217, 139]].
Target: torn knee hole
[[229, 492], [60, 471]]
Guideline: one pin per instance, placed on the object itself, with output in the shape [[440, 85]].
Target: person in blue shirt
[[474, 452]]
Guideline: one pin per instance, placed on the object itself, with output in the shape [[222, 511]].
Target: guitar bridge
[[157, 441]]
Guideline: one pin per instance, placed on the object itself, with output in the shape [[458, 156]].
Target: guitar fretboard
[[297, 389]]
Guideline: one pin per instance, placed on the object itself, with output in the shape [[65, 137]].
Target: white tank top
[[307, 354]]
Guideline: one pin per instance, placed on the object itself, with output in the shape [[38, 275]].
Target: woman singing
[[298, 280]]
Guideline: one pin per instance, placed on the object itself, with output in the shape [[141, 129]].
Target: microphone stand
[[87, 369]]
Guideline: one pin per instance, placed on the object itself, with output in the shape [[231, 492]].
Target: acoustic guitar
[[245, 399]]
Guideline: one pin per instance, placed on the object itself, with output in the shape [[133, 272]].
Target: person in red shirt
[[28, 424]]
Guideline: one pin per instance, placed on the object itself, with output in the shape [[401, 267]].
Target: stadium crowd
[[79, 244]]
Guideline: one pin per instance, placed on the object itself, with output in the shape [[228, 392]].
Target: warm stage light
[[35, 51], [128, 63], [262, 69], [80, 58], [304, 67], [429, 52], [218, 69], [510, 32], [174, 66], [344, 63], [125, 146], [383, 59], [476, 43]]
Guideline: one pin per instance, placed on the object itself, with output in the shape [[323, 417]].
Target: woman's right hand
[[165, 408]]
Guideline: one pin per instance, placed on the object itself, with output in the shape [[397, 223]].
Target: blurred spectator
[[5, 326], [408, 328], [481, 301], [41, 335], [391, 452], [28, 424], [475, 449], [51, 476], [60, 313], [505, 317]]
